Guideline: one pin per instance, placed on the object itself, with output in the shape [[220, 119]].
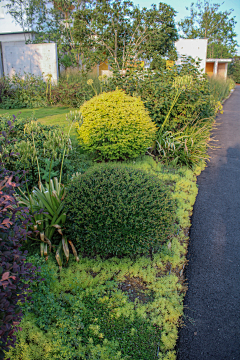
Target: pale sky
[[180, 7]]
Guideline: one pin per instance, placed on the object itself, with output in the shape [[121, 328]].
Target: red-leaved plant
[[15, 273]]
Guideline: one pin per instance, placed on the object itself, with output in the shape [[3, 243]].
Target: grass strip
[[53, 115]]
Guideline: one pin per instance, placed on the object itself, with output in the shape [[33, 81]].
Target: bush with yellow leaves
[[115, 126]]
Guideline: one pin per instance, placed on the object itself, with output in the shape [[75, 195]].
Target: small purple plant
[[14, 271]]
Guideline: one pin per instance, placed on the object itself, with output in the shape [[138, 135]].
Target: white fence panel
[[37, 59]]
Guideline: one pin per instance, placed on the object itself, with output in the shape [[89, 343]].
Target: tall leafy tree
[[208, 22], [122, 33], [234, 69]]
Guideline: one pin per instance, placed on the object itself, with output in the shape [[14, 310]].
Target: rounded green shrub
[[115, 209], [115, 126]]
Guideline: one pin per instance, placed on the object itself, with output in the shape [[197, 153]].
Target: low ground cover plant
[[100, 322], [115, 127], [118, 210]]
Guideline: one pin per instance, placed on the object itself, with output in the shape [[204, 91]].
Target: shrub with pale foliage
[[115, 126]]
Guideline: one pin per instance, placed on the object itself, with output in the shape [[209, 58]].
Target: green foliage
[[22, 92], [123, 33], [220, 88], [188, 146], [72, 89], [157, 91], [206, 21], [234, 70], [115, 209], [115, 126], [115, 309], [46, 205], [43, 136], [22, 142]]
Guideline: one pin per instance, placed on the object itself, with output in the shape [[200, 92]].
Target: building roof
[[219, 60]]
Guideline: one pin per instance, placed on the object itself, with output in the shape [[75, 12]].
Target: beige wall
[[222, 69]]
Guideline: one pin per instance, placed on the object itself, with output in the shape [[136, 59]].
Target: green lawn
[[59, 120], [37, 112], [48, 116]]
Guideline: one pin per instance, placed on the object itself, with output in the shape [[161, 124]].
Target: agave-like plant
[[46, 203], [47, 206]]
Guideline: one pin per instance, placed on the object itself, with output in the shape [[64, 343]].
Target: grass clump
[[116, 209], [115, 126], [220, 88]]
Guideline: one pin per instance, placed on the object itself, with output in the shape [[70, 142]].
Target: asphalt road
[[212, 304]]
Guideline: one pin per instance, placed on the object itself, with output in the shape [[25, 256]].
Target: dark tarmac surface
[[212, 303]]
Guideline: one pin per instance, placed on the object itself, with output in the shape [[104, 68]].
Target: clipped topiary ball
[[117, 210], [115, 126]]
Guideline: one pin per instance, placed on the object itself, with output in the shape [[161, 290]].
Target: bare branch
[[139, 40], [115, 46], [130, 43], [123, 59]]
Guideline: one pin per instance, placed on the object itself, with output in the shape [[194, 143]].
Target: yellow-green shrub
[[115, 126]]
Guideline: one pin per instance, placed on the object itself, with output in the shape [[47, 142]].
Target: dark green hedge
[[116, 209]]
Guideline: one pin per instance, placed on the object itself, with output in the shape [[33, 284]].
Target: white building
[[197, 49], [9, 30], [16, 56]]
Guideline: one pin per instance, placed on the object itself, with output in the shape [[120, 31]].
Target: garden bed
[[126, 308], [123, 297]]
